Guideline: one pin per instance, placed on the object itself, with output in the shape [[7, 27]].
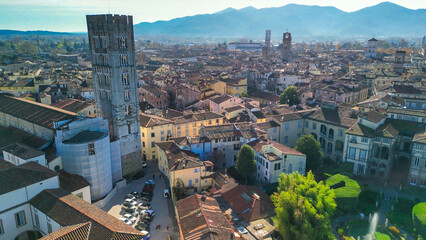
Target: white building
[[18, 154], [274, 158], [18, 185], [417, 172], [372, 48]]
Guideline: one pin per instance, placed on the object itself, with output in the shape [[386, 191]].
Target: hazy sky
[[69, 15]]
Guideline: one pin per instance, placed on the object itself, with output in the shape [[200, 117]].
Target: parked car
[[150, 182], [147, 188], [166, 193], [130, 210], [144, 204], [130, 196], [146, 198], [127, 205], [258, 226], [148, 212], [144, 165], [144, 194], [145, 234], [143, 224], [138, 175], [141, 228], [144, 221], [131, 201], [242, 230], [126, 221], [144, 207], [135, 194], [146, 217], [130, 217]]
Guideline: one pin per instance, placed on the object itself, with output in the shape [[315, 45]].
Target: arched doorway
[[29, 235], [399, 172]]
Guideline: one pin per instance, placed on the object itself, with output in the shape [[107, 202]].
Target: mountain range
[[384, 20]]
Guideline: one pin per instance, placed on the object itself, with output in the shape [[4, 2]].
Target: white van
[[166, 193]]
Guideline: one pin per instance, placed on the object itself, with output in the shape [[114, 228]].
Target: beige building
[[417, 172], [183, 168], [189, 125]]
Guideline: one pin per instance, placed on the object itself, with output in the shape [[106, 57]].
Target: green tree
[[246, 165], [304, 207], [290, 96], [311, 147]]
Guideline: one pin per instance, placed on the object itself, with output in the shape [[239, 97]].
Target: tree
[[311, 147], [304, 207], [290, 96], [246, 165]]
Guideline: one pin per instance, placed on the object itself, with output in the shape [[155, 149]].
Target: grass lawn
[[382, 236], [345, 168], [350, 190], [401, 215]]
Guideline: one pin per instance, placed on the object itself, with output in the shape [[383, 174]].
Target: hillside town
[[132, 139]]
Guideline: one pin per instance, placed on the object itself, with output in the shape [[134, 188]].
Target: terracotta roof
[[11, 134], [5, 164], [67, 209], [72, 105], [197, 117], [22, 151], [250, 202], [37, 113], [71, 182], [221, 131], [152, 121], [77, 231], [374, 116], [200, 217], [420, 138], [177, 158], [259, 143], [23, 175], [339, 116], [220, 99]]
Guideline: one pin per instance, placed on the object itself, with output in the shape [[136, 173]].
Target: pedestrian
[[153, 176], [167, 227], [159, 226], [159, 176]]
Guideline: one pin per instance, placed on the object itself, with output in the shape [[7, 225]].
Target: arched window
[[330, 134], [339, 146], [384, 153], [315, 136], [290, 168], [323, 129]]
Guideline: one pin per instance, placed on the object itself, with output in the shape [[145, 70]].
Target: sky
[[69, 15]]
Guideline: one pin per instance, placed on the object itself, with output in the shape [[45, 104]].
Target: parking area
[[163, 207]]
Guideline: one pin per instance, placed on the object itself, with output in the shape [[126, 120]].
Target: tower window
[[129, 128], [108, 93], [103, 42], [91, 148], [127, 110], [125, 78], [96, 40], [126, 95], [122, 42], [124, 59]]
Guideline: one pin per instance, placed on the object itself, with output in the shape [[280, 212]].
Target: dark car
[[142, 228], [144, 221], [146, 218], [146, 198], [138, 175], [144, 225], [130, 210], [147, 194], [147, 188]]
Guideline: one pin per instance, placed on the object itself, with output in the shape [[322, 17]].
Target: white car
[[130, 217], [131, 201], [145, 234], [242, 230], [144, 164], [143, 206], [126, 221], [148, 212]]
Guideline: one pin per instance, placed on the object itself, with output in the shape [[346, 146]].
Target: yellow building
[[19, 86], [219, 87], [183, 168], [236, 87], [153, 130], [189, 125]]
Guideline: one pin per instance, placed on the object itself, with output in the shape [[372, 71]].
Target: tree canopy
[[304, 207], [311, 147], [246, 165], [290, 96]]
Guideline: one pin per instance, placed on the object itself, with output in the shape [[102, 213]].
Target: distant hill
[[41, 33], [385, 19]]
